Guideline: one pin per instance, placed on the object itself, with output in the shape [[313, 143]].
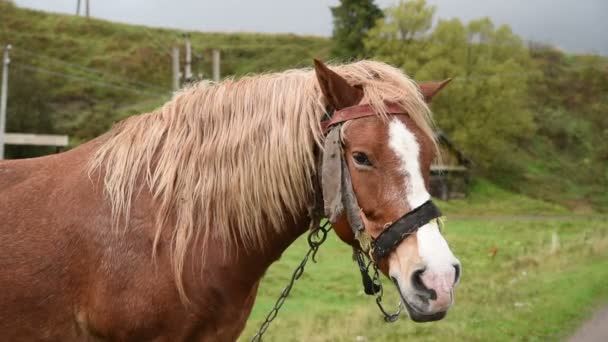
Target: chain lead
[[388, 317], [315, 239]]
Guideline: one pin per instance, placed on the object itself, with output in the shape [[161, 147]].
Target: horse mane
[[232, 160]]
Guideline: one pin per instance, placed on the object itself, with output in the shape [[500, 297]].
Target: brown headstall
[[339, 196], [358, 112]]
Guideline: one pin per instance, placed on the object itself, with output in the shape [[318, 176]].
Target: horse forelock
[[231, 161]]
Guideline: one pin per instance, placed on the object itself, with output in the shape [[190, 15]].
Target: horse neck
[[257, 261], [249, 265], [278, 242]]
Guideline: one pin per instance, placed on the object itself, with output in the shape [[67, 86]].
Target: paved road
[[594, 330]]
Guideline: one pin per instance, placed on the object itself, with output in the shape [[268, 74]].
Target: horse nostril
[[425, 292], [417, 280], [457, 273]]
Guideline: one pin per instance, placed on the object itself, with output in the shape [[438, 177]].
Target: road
[[594, 330]]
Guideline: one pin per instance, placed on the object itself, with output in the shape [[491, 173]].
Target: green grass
[[565, 176], [488, 199], [95, 72], [90, 73], [525, 292]]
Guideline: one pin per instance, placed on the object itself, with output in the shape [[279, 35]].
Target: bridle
[[343, 200], [336, 197], [394, 232]]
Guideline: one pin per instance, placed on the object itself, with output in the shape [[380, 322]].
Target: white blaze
[[404, 144], [432, 247]]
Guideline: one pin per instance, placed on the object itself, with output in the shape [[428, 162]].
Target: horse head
[[376, 194]]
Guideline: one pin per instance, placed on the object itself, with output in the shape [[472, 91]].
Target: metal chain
[[388, 317], [315, 239]]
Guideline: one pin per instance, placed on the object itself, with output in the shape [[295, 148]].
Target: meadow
[[77, 76], [531, 272]]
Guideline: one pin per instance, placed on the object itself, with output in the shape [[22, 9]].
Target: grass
[[488, 199], [567, 177], [94, 72], [524, 292], [517, 284], [81, 75]]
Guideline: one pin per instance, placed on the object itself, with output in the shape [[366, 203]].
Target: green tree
[[352, 20], [486, 109], [401, 36]]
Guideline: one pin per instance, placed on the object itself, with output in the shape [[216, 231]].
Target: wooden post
[[216, 65], [4, 96], [188, 65], [175, 65]]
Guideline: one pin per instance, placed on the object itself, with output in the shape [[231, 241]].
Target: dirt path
[[595, 329]]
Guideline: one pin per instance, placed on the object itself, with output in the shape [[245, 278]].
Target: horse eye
[[361, 159]]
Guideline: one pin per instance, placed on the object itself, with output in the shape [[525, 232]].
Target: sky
[[578, 26]]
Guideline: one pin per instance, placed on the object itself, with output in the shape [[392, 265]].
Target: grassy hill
[[566, 160], [77, 76], [92, 72]]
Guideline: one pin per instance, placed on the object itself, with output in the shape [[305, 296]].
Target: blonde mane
[[232, 160]]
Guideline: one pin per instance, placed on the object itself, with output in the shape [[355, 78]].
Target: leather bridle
[[335, 204], [338, 197]]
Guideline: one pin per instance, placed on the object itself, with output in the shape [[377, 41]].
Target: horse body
[[74, 277], [162, 228]]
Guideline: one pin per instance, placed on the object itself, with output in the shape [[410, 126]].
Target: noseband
[[394, 233], [339, 197]]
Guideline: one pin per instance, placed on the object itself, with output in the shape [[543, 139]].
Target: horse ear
[[429, 89], [336, 90]]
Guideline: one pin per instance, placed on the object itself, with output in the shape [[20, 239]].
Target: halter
[[340, 197]]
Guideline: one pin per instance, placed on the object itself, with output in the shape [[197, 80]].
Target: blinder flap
[[336, 183], [331, 175]]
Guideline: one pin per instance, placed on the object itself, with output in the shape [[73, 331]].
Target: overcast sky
[[573, 25]]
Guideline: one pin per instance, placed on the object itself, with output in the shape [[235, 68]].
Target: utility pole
[[216, 65], [77, 7], [175, 67], [188, 65], [87, 8], [6, 60]]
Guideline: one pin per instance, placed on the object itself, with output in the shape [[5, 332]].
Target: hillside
[[77, 76], [86, 73]]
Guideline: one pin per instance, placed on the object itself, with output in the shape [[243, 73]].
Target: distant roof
[[443, 138]]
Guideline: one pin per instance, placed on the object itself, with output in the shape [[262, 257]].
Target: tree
[[400, 37], [352, 20], [485, 110]]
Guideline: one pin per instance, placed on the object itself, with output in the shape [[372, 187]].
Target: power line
[[88, 70], [83, 79]]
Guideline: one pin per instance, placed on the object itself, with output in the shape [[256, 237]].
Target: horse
[[161, 228]]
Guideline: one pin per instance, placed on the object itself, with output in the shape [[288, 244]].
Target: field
[[77, 76], [85, 74], [530, 272]]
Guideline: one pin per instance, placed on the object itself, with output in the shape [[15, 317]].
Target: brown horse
[[162, 228]]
